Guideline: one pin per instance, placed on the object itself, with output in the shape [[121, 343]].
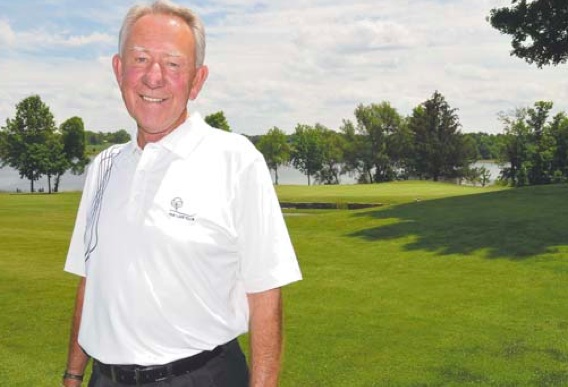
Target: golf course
[[438, 285]]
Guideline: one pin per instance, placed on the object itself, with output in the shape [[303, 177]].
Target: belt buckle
[[137, 376], [113, 374], [168, 373]]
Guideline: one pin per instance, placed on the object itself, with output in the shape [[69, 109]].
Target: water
[[10, 180], [291, 176]]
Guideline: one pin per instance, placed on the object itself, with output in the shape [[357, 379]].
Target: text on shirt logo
[[177, 203]]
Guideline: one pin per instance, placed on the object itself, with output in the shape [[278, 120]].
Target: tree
[[73, 139], [515, 149], [100, 138], [333, 145], [479, 175], [355, 150], [543, 144], [307, 150], [487, 145], [440, 149], [24, 136], [118, 137], [539, 29], [218, 120], [559, 132], [377, 123], [52, 160], [530, 146], [275, 149]]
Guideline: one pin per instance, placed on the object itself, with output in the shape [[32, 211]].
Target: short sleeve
[[267, 257]]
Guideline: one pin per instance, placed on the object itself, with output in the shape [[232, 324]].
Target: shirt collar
[[182, 140]]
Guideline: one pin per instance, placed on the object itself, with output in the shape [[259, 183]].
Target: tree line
[[35, 146], [381, 145], [378, 145]]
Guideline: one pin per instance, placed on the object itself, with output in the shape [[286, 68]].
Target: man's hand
[[265, 337]]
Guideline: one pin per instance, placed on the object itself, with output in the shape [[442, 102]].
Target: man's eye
[[140, 59], [173, 65]]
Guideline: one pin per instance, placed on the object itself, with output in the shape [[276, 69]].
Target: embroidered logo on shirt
[[177, 203]]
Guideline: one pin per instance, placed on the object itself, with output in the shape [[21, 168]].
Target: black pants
[[228, 369]]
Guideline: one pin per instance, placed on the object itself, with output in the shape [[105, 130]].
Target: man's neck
[[144, 137]]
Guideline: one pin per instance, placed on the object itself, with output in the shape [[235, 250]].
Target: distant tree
[[218, 120], [53, 160], [377, 123], [333, 145], [559, 132], [99, 138], [73, 139], [307, 150], [400, 149], [275, 149], [118, 137], [356, 161], [516, 147], [94, 138], [376, 146], [74, 152], [476, 175], [484, 176], [487, 145], [530, 146], [24, 136], [440, 149], [539, 29], [543, 144]]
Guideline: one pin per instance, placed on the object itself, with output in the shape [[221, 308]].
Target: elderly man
[[179, 239]]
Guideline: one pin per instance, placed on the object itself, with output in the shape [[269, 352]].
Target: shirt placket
[[142, 177]]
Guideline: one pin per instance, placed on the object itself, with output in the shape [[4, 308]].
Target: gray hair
[[165, 7]]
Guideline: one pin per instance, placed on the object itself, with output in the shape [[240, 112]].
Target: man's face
[[157, 75]]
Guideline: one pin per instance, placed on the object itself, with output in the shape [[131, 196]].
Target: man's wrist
[[72, 376]]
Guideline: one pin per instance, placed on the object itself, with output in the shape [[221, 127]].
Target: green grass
[[465, 287], [391, 193]]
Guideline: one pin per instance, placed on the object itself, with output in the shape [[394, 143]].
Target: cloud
[[281, 63], [46, 40], [355, 37], [70, 87], [469, 71], [7, 34], [42, 39]]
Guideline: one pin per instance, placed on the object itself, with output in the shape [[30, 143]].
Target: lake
[[10, 180]]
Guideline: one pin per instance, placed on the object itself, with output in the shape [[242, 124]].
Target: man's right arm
[[76, 359]]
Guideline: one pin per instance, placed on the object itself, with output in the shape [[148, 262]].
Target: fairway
[[442, 286]]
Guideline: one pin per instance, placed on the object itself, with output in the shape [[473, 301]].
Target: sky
[[282, 62]]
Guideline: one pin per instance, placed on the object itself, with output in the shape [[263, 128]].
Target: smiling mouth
[[154, 100]]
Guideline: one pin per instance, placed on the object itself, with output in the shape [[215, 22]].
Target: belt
[[138, 375]]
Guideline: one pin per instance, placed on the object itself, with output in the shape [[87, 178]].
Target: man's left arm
[[265, 337]]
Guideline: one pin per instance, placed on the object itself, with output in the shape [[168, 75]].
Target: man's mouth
[[151, 99]]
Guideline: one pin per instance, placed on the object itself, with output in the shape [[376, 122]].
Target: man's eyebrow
[[147, 50]]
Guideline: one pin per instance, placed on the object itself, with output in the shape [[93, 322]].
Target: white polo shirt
[[171, 239]]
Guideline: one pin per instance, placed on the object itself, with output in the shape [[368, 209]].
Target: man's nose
[[154, 76]]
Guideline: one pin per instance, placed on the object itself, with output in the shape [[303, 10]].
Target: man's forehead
[[147, 50]]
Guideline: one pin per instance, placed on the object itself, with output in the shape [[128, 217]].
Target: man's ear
[[117, 68], [198, 81]]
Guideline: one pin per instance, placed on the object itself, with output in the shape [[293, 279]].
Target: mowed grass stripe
[[466, 288]]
